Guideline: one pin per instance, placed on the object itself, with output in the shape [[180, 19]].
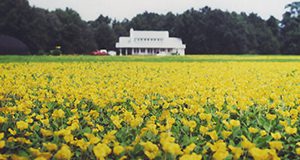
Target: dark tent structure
[[11, 45]]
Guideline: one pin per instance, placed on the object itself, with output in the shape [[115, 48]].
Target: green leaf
[[87, 130], [185, 140], [262, 141], [23, 153]]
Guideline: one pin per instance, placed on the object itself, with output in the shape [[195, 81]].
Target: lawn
[[198, 58]]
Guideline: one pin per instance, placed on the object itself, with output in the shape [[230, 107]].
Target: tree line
[[204, 30]]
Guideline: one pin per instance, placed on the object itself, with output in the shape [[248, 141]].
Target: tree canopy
[[204, 30]]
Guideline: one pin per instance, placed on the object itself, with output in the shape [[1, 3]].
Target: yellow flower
[[276, 135], [100, 128], [263, 133], [101, 150], [172, 148], [219, 155], [298, 151], [34, 152], [192, 124], [69, 138], [40, 158], [45, 122], [290, 130], [246, 143], [116, 121], [169, 145], [150, 149], [2, 144], [235, 123], [44, 110], [118, 150], [283, 123], [1, 135], [64, 153], [271, 117], [109, 137], [46, 133], [259, 154], [29, 120], [58, 114], [192, 156], [92, 138], [276, 145], [273, 155], [22, 125], [82, 144], [136, 122], [16, 157], [50, 146], [204, 116], [3, 156], [203, 130], [226, 134], [220, 150], [2, 119], [189, 148], [228, 126], [213, 135], [42, 155], [236, 151], [294, 112], [252, 130]]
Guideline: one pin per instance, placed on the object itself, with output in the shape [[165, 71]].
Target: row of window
[[150, 50], [148, 39]]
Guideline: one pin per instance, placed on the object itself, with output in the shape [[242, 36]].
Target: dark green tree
[[74, 35], [291, 29], [261, 37], [104, 34]]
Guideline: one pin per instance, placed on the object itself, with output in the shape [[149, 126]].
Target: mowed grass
[[189, 58]]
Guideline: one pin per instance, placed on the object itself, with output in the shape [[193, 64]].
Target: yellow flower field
[[148, 110]]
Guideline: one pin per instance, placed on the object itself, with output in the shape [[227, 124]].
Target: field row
[[139, 110]]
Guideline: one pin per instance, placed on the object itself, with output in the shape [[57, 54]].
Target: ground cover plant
[[150, 110]]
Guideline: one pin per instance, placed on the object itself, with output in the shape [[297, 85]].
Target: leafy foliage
[[203, 30]]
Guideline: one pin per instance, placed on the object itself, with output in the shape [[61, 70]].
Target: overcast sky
[[120, 9]]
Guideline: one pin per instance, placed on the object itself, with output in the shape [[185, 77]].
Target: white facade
[[150, 43]]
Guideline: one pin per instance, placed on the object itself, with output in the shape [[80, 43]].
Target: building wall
[[150, 43], [155, 51]]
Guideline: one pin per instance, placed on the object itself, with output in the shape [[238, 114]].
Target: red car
[[101, 52]]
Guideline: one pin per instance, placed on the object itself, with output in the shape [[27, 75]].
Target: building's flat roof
[[164, 40], [127, 42], [149, 34]]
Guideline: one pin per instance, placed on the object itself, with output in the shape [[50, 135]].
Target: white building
[[150, 43]]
